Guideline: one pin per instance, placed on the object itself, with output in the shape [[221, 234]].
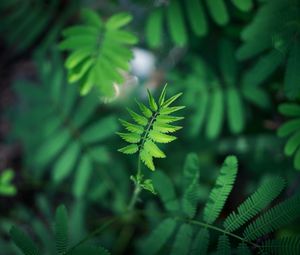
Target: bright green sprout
[[152, 127]]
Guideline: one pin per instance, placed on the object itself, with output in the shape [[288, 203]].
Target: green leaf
[[243, 249], [171, 100], [292, 144], [218, 11], [289, 109], [118, 20], [23, 242], [289, 127], [144, 109], [245, 5], [200, 243], [268, 191], [197, 17], [147, 159], [130, 149], [162, 96], [286, 245], [176, 24], [130, 137], [138, 118], [153, 150], [66, 162], [61, 229], [100, 130], [235, 111], [183, 240], [221, 190], [154, 28], [165, 189], [215, 117], [160, 137], [132, 127], [159, 236], [82, 177], [273, 219], [152, 102], [223, 247]]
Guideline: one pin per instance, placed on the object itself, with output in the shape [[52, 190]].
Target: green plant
[[291, 128], [30, 20], [99, 52], [68, 141], [220, 96], [189, 231], [173, 12], [60, 240], [152, 127], [6, 187], [278, 39]]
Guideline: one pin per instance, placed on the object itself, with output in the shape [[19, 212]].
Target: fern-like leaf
[[159, 236], [254, 204], [183, 240], [223, 247], [165, 189], [151, 128], [200, 243], [221, 191], [98, 51], [284, 246], [23, 242], [274, 218], [61, 229]]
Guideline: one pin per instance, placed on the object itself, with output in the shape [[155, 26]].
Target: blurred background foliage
[[69, 69]]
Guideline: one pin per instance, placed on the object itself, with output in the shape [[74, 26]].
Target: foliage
[[31, 19], [291, 127], [278, 39], [6, 187], [192, 235], [230, 63], [69, 141], [28, 247], [99, 52], [172, 13], [215, 99], [152, 127]]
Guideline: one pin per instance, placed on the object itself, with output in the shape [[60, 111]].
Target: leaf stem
[[137, 188], [205, 225]]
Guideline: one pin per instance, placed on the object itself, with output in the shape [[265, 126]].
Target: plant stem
[[137, 188], [205, 225]]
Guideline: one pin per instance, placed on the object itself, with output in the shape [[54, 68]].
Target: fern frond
[[190, 185], [254, 204], [243, 249], [221, 190], [98, 51], [223, 247], [183, 239], [274, 218], [23, 242], [61, 229], [201, 242], [284, 246], [152, 127], [159, 236]]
